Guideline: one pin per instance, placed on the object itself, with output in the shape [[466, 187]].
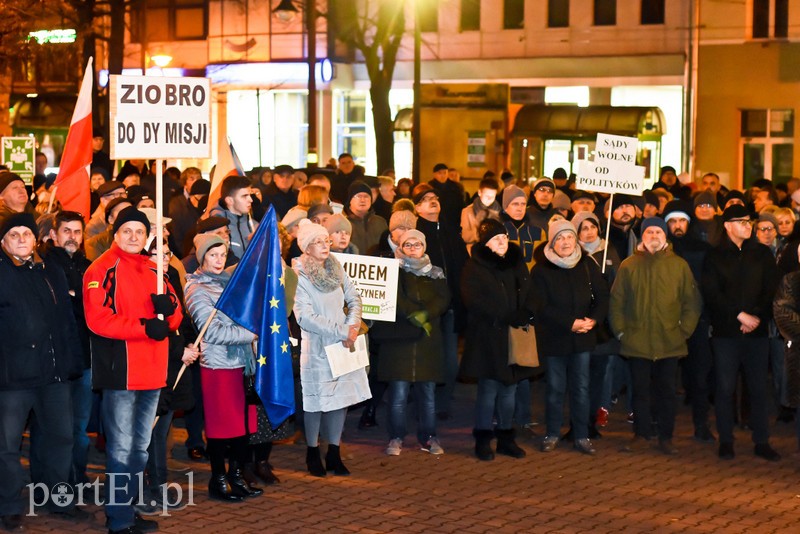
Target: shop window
[[170, 20], [605, 12], [652, 11], [767, 145], [351, 127], [558, 13], [428, 15], [470, 15], [765, 11], [513, 14]]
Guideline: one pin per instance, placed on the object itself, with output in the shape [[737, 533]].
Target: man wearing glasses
[[739, 281]]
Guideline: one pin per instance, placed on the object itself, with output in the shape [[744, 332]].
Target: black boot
[[483, 444], [333, 462], [262, 467], [218, 487], [314, 462], [238, 484], [368, 417], [506, 444], [249, 473]]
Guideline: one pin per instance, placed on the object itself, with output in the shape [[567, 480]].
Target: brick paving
[[559, 492]]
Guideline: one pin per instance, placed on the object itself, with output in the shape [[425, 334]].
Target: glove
[[155, 328], [418, 318], [518, 318], [428, 328], [163, 304]]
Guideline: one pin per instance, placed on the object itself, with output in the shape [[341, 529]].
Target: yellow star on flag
[[282, 279], [284, 347], [273, 302], [275, 327], [262, 360]]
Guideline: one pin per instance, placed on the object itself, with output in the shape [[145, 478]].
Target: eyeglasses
[[321, 243], [765, 229], [743, 222], [430, 198], [412, 246]]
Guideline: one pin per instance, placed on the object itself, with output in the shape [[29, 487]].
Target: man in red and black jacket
[[129, 356]]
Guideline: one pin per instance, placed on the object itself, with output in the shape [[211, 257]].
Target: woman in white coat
[[328, 309]]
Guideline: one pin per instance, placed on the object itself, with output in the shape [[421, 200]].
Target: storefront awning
[[554, 121]]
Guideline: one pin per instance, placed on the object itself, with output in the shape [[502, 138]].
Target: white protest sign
[[613, 169], [158, 118], [376, 281]]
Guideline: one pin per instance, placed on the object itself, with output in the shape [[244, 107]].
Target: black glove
[[163, 304], [519, 318], [155, 328]]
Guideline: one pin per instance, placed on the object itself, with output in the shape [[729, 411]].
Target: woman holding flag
[[227, 354], [323, 290]]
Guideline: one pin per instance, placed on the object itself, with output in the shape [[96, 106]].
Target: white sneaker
[[394, 447], [433, 446]]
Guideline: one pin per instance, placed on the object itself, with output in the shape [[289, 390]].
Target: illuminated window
[[170, 20]]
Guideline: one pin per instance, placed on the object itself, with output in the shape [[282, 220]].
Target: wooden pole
[[608, 231]]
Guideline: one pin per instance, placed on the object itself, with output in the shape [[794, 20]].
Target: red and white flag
[[227, 165], [72, 181]]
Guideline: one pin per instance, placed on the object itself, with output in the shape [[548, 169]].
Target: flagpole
[[608, 230], [52, 199]]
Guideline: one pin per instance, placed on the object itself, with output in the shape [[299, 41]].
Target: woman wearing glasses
[[328, 310], [413, 356]]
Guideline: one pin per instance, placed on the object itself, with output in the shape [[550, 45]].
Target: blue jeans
[[157, 455], [128, 420], [444, 393], [424, 403], [494, 399], [82, 397], [522, 403], [51, 456], [575, 370]]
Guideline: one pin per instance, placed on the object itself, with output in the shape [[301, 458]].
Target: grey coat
[[323, 321], [226, 345]]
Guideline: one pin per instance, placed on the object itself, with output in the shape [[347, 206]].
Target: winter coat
[[184, 220], [562, 295], [323, 322], [655, 305], [525, 234], [226, 345], [97, 244], [451, 199], [471, 218], [39, 343], [419, 358], [117, 291], [367, 231], [786, 310], [493, 288], [240, 226], [739, 280], [182, 397], [280, 200]]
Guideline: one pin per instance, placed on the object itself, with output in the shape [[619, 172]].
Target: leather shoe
[[636, 444], [763, 450], [197, 454], [666, 447], [726, 451], [264, 471], [12, 522], [704, 435]]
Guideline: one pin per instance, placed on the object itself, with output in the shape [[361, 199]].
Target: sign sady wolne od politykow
[[613, 169], [376, 281], [158, 118]]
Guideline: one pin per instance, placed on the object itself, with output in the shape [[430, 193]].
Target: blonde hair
[[788, 212], [310, 195]]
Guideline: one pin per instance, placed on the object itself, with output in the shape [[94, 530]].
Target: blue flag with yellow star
[[255, 298]]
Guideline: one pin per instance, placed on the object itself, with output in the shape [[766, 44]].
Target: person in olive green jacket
[[655, 306]]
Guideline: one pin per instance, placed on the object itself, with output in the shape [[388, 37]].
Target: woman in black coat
[[571, 301], [786, 311], [495, 286]]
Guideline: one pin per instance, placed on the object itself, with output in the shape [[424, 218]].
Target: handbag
[[522, 349]]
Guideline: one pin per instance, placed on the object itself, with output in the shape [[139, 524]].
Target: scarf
[[222, 278], [325, 276], [565, 263], [594, 246], [482, 212], [419, 266]]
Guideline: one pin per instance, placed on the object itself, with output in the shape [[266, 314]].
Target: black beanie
[[130, 214], [18, 219], [490, 228], [358, 187], [6, 177]]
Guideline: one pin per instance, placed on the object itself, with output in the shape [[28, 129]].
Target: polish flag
[[227, 165], [72, 182]]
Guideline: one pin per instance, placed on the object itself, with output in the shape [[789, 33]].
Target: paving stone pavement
[[560, 492]]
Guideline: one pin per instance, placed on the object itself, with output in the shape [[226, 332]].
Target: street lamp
[[285, 12]]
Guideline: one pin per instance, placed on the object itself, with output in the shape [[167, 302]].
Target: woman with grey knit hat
[[571, 301]]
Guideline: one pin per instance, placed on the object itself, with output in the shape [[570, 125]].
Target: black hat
[[737, 211], [113, 203], [109, 187], [358, 187], [734, 194], [559, 174], [507, 177], [283, 169], [665, 169], [97, 132], [212, 223], [651, 198], [440, 167], [137, 193], [420, 191], [622, 199], [18, 219], [131, 214], [705, 197], [6, 177], [681, 208], [200, 187], [584, 194], [490, 228]]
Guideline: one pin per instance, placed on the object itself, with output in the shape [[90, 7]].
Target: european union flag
[[255, 298]]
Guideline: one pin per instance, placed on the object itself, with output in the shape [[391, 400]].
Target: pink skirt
[[224, 404]]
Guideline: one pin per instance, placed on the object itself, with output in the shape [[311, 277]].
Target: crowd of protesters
[[695, 289]]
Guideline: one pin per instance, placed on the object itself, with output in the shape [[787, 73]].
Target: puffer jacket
[[240, 226], [655, 305], [226, 345]]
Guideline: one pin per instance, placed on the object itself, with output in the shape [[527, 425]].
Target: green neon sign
[[53, 36]]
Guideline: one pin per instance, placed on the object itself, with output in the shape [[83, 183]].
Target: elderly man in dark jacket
[[39, 350], [655, 305], [739, 282]]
